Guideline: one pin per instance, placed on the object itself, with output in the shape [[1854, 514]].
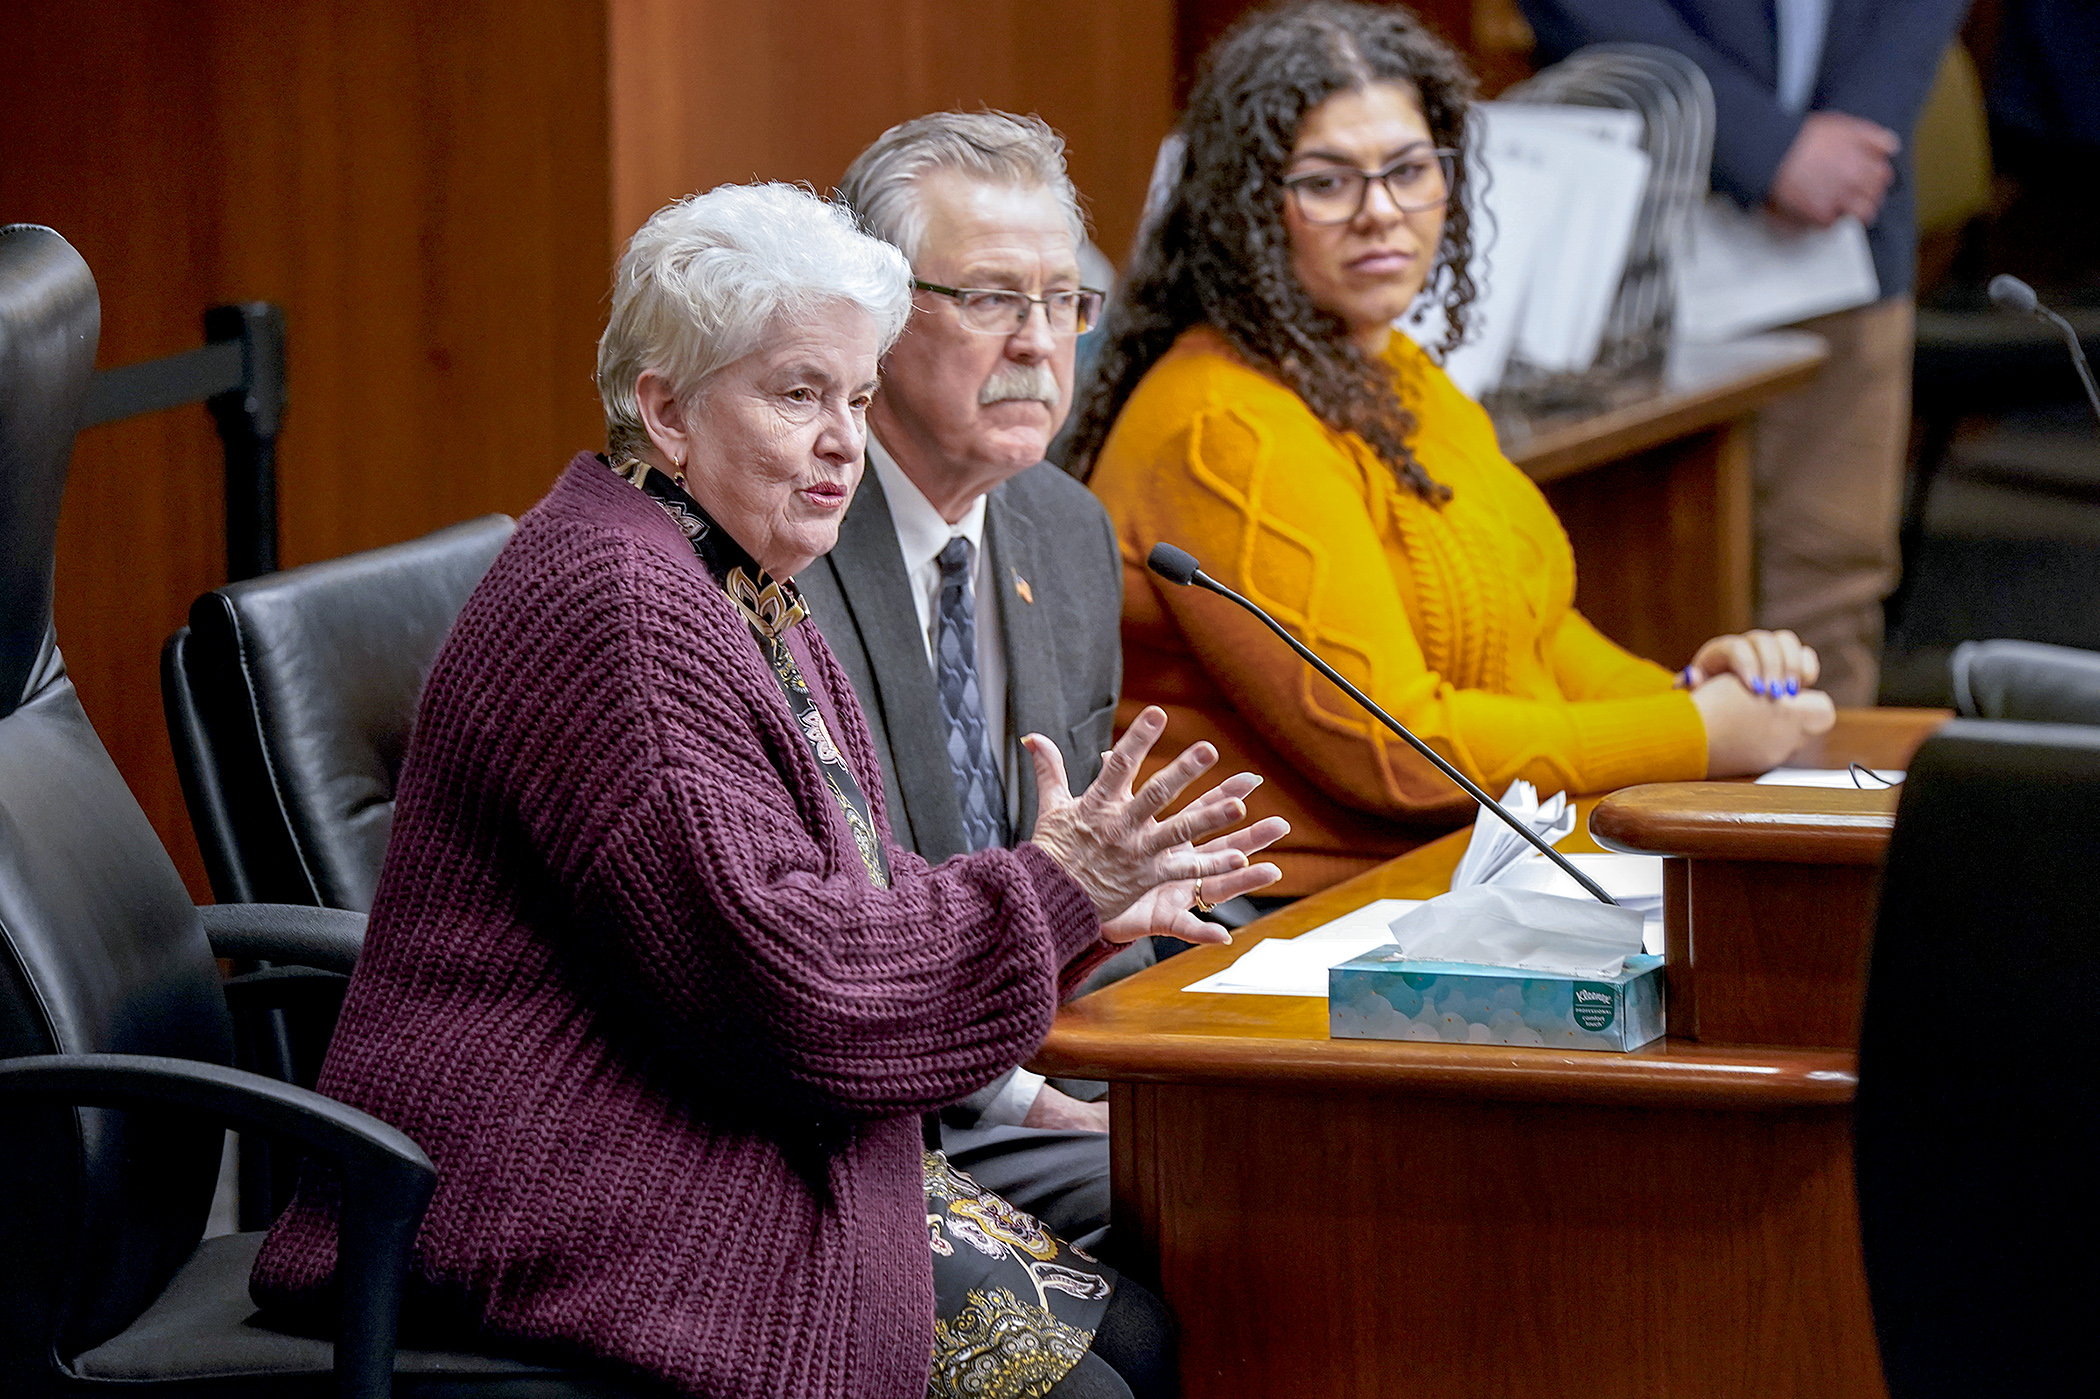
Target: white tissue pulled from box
[[1831, 777], [1636, 881], [1298, 966], [1498, 855], [1491, 925]]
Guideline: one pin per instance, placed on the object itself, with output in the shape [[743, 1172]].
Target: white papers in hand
[[1298, 966], [1745, 272], [1501, 927], [1830, 777]]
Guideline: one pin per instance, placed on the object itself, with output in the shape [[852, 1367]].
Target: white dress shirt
[[1803, 26], [921, 535]]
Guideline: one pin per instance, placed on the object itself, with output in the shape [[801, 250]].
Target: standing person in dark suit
[[1816, 101], [975, 591]]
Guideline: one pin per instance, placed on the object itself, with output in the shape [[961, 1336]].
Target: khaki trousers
[[1829, 489]]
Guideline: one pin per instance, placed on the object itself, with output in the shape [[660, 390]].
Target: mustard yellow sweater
[[1458, 619]]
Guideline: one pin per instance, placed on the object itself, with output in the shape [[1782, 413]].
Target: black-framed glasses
[[1417, 181], [993, 312]]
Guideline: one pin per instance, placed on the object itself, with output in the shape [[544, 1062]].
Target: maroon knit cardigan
[[628, 984]]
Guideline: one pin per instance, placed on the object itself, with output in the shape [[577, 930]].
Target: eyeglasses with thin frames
[[993, 312], [1416, 182]]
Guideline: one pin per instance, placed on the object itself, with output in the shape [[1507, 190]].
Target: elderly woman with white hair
[[646, 974]]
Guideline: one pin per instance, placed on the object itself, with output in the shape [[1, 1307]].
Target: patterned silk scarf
[[771, 607]]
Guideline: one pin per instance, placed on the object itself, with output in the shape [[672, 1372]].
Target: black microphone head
[[2009, 293], [1174, 565]]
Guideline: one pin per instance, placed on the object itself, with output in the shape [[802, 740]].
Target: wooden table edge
[[1673, 1073]]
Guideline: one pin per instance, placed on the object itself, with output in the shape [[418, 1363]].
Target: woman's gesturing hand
[[1142, 872]]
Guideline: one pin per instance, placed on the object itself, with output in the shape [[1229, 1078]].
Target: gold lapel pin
[[1027, 593]]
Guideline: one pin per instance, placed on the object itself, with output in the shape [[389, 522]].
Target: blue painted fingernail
[[1757, 685], [1793, 687]]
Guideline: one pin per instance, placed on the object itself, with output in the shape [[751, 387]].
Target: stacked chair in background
[[289, 701]]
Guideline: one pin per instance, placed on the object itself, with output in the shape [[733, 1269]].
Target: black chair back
[[1979, 1079], [100, 947], [2030, 681], [290, 699]]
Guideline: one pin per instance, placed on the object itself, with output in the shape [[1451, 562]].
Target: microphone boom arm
[[2070, 335], [1471, 788]]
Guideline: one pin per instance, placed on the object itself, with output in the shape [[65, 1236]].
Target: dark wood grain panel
[[1662, 542], [1778, 951], [422, 186], [1335, 1245], [1708, 386], [1654, 493], [707, 91]]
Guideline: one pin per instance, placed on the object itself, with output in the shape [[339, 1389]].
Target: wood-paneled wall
[[421, 184], [705, 91], [435, 191], [1491, 33]]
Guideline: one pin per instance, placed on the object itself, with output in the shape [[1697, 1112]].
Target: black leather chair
[[115, 1031], [289, 700], [2026, 680], [1978, 1119]]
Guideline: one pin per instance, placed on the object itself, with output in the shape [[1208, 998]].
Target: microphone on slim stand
[[2012, 294], [1179, 566]]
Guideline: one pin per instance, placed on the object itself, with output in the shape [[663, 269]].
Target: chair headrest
[[50, 321]]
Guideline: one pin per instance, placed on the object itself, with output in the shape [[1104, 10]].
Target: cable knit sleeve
[[1587, 664], [663, 783]]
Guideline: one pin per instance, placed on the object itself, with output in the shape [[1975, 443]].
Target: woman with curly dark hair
[[1254, 403]]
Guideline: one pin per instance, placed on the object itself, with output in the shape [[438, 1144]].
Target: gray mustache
[[1020, 381]]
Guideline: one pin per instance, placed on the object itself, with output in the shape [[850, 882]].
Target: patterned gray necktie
[[955, 668]]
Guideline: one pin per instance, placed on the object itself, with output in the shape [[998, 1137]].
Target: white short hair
[[704, 280], [996, 148]]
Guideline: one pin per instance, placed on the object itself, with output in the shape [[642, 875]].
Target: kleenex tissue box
[[1384, 996]]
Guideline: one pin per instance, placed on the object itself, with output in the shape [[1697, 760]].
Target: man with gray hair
[[975, 594]]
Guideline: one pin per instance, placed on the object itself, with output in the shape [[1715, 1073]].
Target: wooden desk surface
[[1703, 385], [1148, 1029], [1809, 825]]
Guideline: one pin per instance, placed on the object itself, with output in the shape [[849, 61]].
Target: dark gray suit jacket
[[1064, 671], [1064, 653]]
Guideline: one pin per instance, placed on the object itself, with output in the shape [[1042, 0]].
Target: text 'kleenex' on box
[[1384, 996]]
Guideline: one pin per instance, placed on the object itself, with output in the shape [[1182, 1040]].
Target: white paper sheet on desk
[[1829, 777], [1745, 272], [1298, 966]]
